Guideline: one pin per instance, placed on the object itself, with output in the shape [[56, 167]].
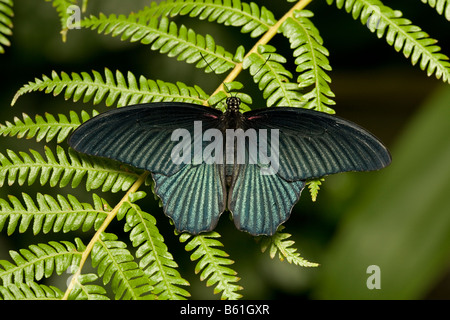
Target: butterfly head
[[233, 104]]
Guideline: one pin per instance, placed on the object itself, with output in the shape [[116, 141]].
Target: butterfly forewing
[[314, 144], [141, 135]]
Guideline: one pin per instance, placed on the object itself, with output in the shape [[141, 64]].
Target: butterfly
[[204, 161]]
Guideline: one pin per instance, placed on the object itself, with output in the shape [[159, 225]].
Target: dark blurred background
[[397, 219]]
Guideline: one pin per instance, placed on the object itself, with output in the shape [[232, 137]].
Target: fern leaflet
[[442, 7], [30, 291], [401, 34], [44, 128], [40, 261], [51, 214], [249, 16], [85, 291], [156, 261], [279, 243], [212, 263], [165, 36], [116, 265], [110, 175], [62, 7], [6, 25], [311, 60], [113, 89], [272, 78]]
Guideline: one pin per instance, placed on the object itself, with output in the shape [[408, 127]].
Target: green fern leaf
[[39, 261], [279, 243], [167, 37], [51, 214], [212, 263], [314, 187], [272, 78], [156, 261], [110, 175], [311, 60], [113, 89], [85, 291], [116, 265], [62, 7], [442, 7], [47, 128], [6, 25], [30, 291], [252, 18], [401, 34]]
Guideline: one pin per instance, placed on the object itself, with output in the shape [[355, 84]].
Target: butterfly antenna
[[207, 63]]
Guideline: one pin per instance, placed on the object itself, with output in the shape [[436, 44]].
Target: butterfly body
[[205, 161]]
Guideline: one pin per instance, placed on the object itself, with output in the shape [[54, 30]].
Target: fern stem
[[102, 228], [262, 41]]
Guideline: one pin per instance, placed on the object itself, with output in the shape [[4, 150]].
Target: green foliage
[[85, 291], [442, 7], [278, 243], [311, 60], [51, 214], [113, 89], [63, 169], [47, 128], [149, 270], [167, 37], [400, 33], [272, 78], [116, 265], [156, 261], [249, 16], [6, 25], [64, 13], [30, 291], [212, 264], [40, 261]]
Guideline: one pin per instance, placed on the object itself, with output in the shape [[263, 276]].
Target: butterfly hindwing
[[260, 203], [141, 135], [194, 197], [314, 144]]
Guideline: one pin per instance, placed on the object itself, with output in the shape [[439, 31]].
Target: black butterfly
[[197, 184]]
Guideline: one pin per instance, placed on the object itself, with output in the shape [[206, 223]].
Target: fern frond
[[44, 128], [401, 34], [64, 169], [6, 24], [252, 18], [116, 265], [212, 263], [442, 7], [272, 78], [30, 291], [311, 60], [85, 291], [156, 261], [314, 187], [39, 261], [51, 214], [279, 243], [167, 37], [64, 14], [113, 89]]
